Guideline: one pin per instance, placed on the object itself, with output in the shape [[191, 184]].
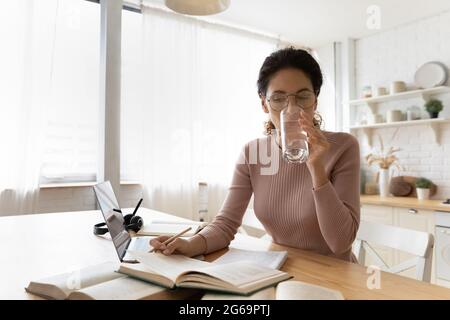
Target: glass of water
[[294, 142]]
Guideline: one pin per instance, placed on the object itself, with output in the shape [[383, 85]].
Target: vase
[[434, 115], [383, 182], [423, 194]]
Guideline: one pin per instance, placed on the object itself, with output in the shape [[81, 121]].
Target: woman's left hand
[[317, 142]]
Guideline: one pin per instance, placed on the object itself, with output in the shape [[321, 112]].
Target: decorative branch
[[384, 160]]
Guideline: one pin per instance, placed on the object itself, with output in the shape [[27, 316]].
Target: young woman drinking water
[[313, 205]]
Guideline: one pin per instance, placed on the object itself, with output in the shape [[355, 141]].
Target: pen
[[137, 207], [173, 237]]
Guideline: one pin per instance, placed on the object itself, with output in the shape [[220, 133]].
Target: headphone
[[130, 222]]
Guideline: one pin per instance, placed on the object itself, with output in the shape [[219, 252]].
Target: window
[[71, 139], [132, 102], [49, 99], [189, 99], [188, 91]]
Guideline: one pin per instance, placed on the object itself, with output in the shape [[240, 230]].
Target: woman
[[312, 206]]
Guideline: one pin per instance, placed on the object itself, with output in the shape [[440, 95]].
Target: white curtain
[[48, 97], [197, 106], [24, 85]]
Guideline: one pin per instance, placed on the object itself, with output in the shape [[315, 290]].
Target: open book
[[179, 271], [287, 290], [170, 228], [99, 282]]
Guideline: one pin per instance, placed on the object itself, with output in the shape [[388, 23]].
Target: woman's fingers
[[304, 121], [315, 138], [157, 243], [313, 133], [318, 139], [159, 240], [174, 245]]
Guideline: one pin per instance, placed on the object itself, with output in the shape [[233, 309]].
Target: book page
[[265, 294], [297, 290], [124, 288], [78, 279], [270, 259], [168, 266], [240, 273]]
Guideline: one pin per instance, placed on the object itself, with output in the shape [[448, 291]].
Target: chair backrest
[[417, 243], [251, 221]]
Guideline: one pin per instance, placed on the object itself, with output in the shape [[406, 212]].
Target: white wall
[[326, 107], [396, 55]]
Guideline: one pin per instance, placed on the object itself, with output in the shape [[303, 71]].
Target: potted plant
[[384, 160], [433, 107], [423, 188]]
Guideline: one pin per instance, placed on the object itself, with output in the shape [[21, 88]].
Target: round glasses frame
[[286, 103]]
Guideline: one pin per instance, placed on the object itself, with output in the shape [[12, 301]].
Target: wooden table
[[41, 245]]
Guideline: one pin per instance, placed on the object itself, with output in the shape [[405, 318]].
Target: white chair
[[251, 223], [414, 242]]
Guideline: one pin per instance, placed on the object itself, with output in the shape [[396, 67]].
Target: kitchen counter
[[406, 202]]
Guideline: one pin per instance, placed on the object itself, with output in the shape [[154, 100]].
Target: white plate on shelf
[[430, 75]]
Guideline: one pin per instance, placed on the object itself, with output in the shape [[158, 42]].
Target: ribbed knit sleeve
[[338, 203], [220, 232]]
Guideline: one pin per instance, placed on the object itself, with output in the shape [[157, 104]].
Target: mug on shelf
[[394, 116], [376, 118], [398, 87], [379, 91], [413, 113], [366, 92]]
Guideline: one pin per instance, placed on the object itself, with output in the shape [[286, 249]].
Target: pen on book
[[174, 237]]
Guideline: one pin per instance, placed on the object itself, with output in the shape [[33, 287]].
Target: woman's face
[[288, 81]]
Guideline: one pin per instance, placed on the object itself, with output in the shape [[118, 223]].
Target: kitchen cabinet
[[410, 218]]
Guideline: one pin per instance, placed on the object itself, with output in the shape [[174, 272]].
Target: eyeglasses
[[280, 101]]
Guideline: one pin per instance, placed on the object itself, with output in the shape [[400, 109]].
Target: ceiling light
[[198, 7]]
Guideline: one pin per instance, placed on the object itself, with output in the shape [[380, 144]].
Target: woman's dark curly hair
[[290, 58]]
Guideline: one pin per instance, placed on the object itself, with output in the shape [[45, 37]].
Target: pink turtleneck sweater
[[324, 220]]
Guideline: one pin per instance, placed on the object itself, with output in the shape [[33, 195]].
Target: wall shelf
[[433, 124], [425, 95]]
